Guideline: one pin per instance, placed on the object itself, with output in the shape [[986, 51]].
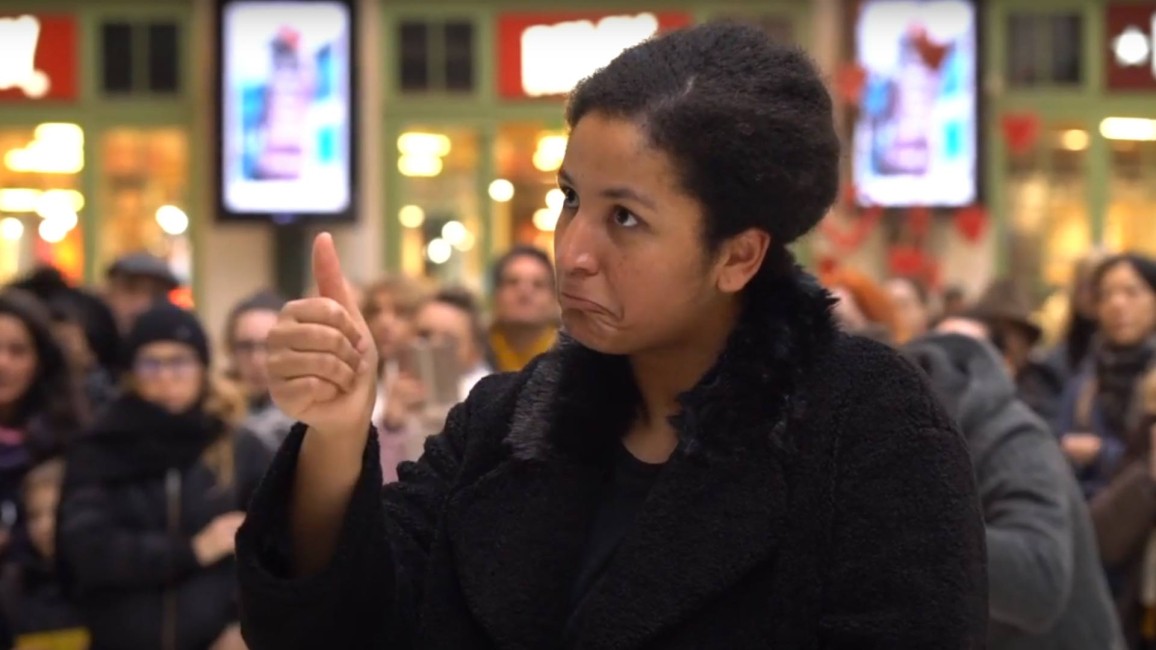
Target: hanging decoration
[[971, 222], [930, 52], [850, 80], [850, 240], [1020, 131]]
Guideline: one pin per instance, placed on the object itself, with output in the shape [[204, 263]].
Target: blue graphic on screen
[[288, 107], [915, 134]]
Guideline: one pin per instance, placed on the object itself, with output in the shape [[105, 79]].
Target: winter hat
[[166, 322]]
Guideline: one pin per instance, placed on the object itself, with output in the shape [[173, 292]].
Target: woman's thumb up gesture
[[322, 361]]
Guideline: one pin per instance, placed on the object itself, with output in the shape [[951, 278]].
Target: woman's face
[[248, 349], [445, 324], [847, 312], [1126, 306], [633, 276], [390, 328], [18, 360], [911, 312], [169, 375]]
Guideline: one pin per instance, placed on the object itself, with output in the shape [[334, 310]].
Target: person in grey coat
[[1047, 590]]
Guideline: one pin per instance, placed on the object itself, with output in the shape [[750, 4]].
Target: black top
[[627, 485]]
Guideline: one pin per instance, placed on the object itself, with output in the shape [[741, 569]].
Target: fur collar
[[578, 402]]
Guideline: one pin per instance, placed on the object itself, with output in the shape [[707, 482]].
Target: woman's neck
[[662, 375]]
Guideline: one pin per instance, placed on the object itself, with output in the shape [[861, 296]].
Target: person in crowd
[[1007, 312], [86, 329], [389, 306], [154, 494], [1099, 407], [31, 595], [134, 282], [451, 317], [246, 330], [912, 305], [954, 302], [863, 307], [1068, 358], [703, 461], [1125, 515], [41, 406], [1045, 583], [525, 319]]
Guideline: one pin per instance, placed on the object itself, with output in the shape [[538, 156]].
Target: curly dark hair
[[54, 402], [747, 121]]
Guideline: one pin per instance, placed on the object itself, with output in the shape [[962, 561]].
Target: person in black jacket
[[154, 494], [30, 590], [703, 461], [1047, 587]]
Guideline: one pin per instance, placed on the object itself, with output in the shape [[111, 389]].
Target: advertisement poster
[[286, 108], [915, 141]]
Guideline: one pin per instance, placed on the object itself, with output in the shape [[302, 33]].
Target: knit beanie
[[165, 322]]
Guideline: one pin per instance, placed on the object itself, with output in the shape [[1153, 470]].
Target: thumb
[[331, 282]]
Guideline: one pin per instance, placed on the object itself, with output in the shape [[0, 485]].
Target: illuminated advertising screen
[[915, 134], [287, 105]]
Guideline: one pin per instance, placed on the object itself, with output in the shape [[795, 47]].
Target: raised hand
[[322, 361]]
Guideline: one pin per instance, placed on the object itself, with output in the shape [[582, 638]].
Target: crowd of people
[[128, 450]]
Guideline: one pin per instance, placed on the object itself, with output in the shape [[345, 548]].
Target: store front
[[96, 135], [1072, 155], [473, 113]]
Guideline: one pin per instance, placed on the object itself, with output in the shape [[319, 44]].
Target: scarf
[[507, 359], [1118, 375], [135, 440]]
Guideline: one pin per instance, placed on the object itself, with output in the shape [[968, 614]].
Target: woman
[[41, 408], [912, 305], [154, 495], [246, 331], [1099, 408], [863, 307], [703, 462]]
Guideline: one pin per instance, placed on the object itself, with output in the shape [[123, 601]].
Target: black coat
[[124, 552], [820, 499]]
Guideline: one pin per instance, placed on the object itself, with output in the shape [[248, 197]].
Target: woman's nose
[[575, 247]]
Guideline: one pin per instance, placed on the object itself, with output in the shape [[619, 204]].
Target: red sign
[[1131, 55], [546, 54], [38, 57]]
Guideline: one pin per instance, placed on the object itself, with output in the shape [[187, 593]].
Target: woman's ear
[[740, 259]]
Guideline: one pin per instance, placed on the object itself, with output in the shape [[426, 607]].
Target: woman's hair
[[407, 295], [1144, 266], [747, 122], [54, 394], [869, 297], [264, 300], [225, 401], [1080, 330]]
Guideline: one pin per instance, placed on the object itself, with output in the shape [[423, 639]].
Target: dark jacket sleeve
[[906, 548], [101, 553], [1124, 513], [369, 595], [1024, 481]]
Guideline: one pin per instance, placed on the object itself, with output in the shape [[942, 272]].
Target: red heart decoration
[[906, 261], [971, 222], [931, 53], [849, 82], [1020, 130]]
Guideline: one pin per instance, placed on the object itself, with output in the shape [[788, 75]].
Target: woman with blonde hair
[[154, 495]]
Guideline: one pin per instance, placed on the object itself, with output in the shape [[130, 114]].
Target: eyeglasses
[[248, 347], [155, 366]]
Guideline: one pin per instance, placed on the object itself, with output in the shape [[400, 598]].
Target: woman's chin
[[592, 334]]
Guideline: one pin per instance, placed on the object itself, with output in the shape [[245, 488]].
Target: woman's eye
[[571, 200], [625, 218]]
